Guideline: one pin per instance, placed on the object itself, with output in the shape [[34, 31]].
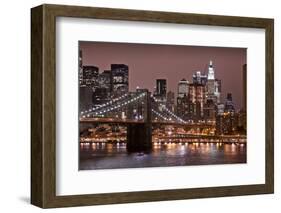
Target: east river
[[112, 156]]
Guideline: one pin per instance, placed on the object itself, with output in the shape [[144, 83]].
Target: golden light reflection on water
[[170, 148], [165, 153]]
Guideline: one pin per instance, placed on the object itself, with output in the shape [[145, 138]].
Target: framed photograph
[[137, 106]]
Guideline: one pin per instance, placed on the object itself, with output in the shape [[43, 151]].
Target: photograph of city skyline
[[156, 105]]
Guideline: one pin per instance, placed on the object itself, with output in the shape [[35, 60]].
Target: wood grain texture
[[269, 106], [36, 106], [43, 102]]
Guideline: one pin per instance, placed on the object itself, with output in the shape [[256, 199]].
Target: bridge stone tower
[[139, 135]]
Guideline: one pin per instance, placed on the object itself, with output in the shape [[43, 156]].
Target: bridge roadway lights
[[139, 137]]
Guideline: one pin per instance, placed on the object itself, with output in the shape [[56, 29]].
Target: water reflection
[[110, 156]]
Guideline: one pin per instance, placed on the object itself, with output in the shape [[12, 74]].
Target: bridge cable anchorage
[[108, 108]]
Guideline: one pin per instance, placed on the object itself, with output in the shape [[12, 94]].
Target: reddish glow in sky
[[147, 62]]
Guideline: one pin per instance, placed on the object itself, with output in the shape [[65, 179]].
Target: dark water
[[110, 156]]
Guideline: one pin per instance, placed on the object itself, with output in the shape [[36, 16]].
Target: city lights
[[185, 117]]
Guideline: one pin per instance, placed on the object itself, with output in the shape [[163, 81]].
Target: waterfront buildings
[[196, 101]]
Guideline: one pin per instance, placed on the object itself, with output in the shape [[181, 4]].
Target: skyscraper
[[196, 97], [211, 71], [229, 105], [210, 111], [199, 78], [213, 85], [161, 87], [90, 76], [171, 101], [119, 79], [227, 122], [102, 93], [183, 88], [104, 80], [160, 92], [184, 107], [182, 99]]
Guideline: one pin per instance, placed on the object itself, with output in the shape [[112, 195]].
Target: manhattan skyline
[[172, 62], [128, 118]]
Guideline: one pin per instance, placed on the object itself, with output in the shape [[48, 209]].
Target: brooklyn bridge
[[142, 113]]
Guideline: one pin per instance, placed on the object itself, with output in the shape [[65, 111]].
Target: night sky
[[147, 62]]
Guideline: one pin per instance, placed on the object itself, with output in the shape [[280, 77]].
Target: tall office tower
[[219, 119], [161, 87], [220, 109], [119, 79], [90, 76], [183, 88], [227, 122], [229, 105], [211, 71], [218, 90], [104, 80], [213, 85], [102, 93], [196, 97], [184, 108], [210, 111], [161, 90], [171, 101], [199, 78]]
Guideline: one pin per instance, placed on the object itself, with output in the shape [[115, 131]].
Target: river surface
[[112, 156]]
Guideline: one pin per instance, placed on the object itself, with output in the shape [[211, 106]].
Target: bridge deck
[[129, 121]]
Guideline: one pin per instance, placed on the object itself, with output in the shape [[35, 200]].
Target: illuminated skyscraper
[[199, 78], [185, 107], [119, 79], [196, 99], [171, 101], [182, 99], [104, 80], [229, 105], [90, 76], [161, 87], [102, 93], [211, 71], [183, 88], [210, 111], [161, 90], [227, 122], [213, 85]]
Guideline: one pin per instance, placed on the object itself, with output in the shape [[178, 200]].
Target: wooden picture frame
[[43, 105]]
